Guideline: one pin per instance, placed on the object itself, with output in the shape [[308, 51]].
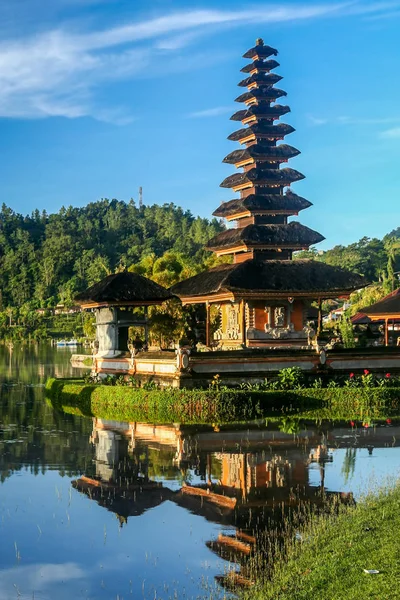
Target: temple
[[263, 296]]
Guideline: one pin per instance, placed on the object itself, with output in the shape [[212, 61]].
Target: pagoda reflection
[[246, 481]]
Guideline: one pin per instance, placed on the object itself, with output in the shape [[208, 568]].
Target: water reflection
[[100, 509], [246, 481], [34, 363]]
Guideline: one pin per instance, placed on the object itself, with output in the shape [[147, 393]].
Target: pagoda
[[263, 295]]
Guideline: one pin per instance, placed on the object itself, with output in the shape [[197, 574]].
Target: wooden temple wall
[[297, 315], [258, 317]]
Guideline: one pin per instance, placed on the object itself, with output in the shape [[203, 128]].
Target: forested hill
[[48, 258], [375, 259]]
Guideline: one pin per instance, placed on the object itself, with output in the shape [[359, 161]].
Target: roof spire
[[259, 42]]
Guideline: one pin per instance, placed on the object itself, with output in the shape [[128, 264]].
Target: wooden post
[[386, 332], [244, 477], [146, 326], [208, 469], [244, 337], [207, 324], [319, 322]]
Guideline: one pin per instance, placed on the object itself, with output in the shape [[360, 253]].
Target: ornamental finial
[[259, 42]]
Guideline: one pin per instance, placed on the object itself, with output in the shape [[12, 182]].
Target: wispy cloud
[[392, 133], [316, 121], [367, 121], [211, 112], [392, 14], [57, 72], [348, 120]]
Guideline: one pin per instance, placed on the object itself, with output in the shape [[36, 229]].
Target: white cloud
[[57, 72], [47, 576], [391, 133], [211, 112]]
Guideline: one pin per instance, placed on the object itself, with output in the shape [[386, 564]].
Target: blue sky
[[99, 97]]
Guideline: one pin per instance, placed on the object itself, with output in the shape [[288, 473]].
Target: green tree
[[346, 331]]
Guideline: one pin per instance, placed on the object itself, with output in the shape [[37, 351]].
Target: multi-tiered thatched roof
[[264, 240]]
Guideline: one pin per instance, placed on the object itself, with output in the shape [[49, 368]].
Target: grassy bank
[[329, 564], [201, 406]]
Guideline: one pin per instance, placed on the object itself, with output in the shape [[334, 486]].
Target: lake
[[100, 509]]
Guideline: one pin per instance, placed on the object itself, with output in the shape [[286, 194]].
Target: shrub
[[290, 378]]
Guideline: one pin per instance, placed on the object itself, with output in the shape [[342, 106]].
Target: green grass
[[329, 564], [208, 406]]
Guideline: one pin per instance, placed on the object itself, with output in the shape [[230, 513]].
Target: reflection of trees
[[32, 364], [34, 436], [161, 462], [349, 464]]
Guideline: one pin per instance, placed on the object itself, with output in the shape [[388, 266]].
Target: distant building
[[61, 309]]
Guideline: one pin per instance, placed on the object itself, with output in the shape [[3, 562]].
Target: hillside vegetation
[[46, 259]]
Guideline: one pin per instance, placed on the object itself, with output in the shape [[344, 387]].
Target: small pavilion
[[112, 300], [263, 296], [386, 310]]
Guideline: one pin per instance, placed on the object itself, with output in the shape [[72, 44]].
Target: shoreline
[[327, 557]]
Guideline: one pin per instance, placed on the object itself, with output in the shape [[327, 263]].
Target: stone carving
[[233, 323], [279, 316]]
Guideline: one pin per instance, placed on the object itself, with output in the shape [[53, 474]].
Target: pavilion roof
[[262, 129], [262, 65], [260, 176], [262, 93], [124, 288], [261, 111], [360, 318], [289, 202], [263, 278], [261, 152], [288, 235], [388, 307]]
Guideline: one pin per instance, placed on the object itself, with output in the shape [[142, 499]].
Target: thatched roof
[[260, 130], [259, 176], [261, 152], [261, 50], [261, 65], [306, 277], [124, 288], [260, 111], [388, 307], [289, 202], [261, 93], [289, 235], [260, 79]]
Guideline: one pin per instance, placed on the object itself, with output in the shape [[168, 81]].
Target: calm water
[[95, 509]]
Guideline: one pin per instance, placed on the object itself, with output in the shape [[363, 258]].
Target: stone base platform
[[185, 369]]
